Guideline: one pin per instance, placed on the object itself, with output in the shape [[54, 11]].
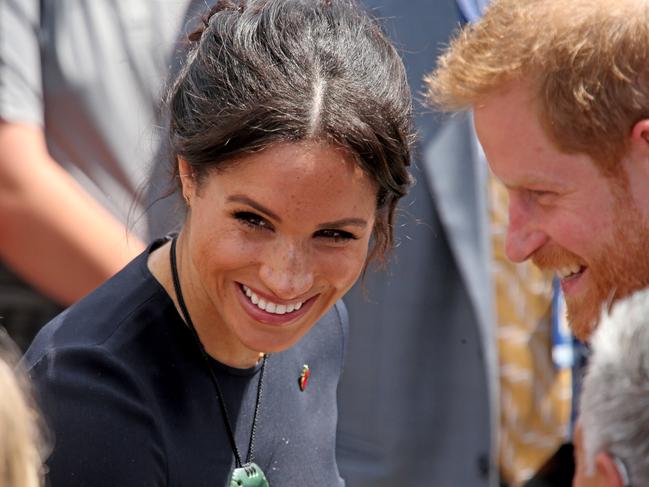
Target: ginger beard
[[619, 268]]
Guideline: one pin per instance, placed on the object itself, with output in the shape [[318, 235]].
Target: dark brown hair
[[270, 71]]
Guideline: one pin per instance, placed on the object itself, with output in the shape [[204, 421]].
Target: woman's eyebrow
[[240, 198], [343, 222]]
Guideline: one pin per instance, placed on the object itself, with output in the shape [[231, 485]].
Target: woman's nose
[[287, 271]]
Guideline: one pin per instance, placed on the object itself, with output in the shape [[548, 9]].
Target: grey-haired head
[[615, 399]]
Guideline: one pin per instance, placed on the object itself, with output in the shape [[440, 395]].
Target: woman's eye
[[252, 220], [336, 236]]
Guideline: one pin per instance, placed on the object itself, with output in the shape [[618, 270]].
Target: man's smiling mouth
[[569, 272]]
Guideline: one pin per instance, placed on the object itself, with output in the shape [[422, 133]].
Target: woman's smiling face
[[271, 243]]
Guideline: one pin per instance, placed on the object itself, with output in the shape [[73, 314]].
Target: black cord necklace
[[245, 474]]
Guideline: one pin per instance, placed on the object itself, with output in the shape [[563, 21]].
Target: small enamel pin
[[304, 377]]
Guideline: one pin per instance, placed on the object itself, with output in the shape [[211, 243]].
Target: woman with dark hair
[[213, 358]]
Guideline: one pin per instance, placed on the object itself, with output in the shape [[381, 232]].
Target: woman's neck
[[219, 343]]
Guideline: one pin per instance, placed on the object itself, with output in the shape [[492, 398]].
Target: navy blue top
[[129, 401]]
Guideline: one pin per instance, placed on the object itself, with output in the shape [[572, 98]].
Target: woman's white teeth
[[269, 306]]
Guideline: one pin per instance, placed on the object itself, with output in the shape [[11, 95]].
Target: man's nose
[[287, 271], [523, 238]]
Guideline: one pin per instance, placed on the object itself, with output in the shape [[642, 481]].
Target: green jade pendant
[[249, 475]]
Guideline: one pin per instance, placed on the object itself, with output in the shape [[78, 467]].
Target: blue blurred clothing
[[471, 10]]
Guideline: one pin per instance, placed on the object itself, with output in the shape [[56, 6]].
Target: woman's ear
[[607, 473], [187, 182]]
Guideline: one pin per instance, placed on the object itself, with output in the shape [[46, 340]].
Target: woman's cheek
[[232, 250], [344, 265]]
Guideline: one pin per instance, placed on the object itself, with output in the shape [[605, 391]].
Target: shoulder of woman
[[101, 421]]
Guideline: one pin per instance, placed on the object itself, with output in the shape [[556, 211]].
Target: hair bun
[[219, 6]]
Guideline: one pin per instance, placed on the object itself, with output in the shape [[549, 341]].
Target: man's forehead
[[519, 151], [508, 121]]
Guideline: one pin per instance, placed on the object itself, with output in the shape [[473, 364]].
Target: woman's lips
[[271, 318]]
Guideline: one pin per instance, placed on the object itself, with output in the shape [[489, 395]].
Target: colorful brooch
[[304, 377]]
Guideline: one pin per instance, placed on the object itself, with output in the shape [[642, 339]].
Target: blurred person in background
[[418, 396], [21, 442], [612, 440], [80, 89], [216, 354]]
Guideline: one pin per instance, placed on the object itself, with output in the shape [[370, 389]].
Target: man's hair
[[615, 396], [587, 62]]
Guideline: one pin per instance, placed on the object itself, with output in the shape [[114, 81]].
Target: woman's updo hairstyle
[[264, 72]]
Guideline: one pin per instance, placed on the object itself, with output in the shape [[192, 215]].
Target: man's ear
[[640, 135], [638, 162], [607, 473]]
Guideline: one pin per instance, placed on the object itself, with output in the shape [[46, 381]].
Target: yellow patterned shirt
[[535, 395]]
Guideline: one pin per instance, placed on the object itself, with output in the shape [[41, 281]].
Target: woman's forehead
[[305, 174]]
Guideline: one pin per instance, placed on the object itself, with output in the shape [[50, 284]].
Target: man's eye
[[336, 236], [252, 220], [543, 197]]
